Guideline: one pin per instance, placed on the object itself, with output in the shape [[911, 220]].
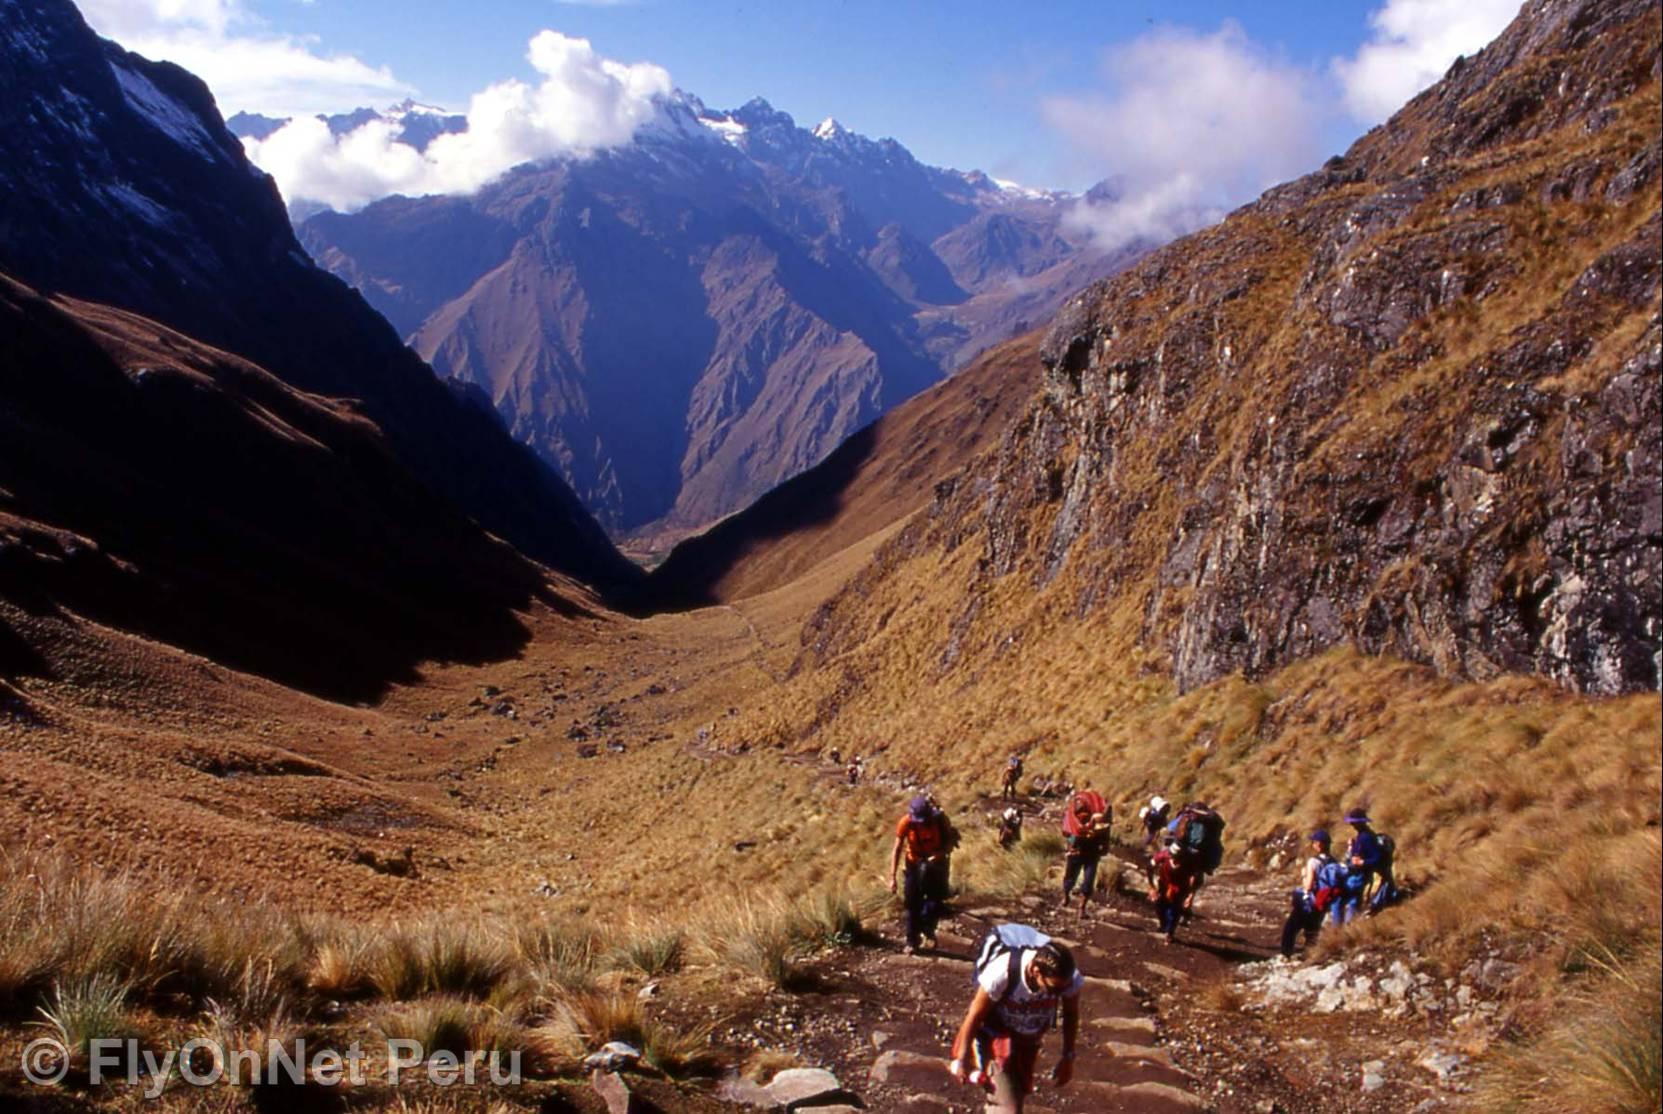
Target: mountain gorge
[[119, 185], [683, 322]]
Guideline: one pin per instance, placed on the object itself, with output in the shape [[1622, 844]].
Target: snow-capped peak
[[829, 128], [408, 107], [727, 127]]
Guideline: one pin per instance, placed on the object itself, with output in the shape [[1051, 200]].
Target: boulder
[[614, 1092]]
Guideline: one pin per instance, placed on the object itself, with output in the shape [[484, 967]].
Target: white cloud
[[246, 66], [1413, 43], [583, 103], [1189, 126]]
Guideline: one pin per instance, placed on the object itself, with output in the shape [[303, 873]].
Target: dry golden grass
[[1602, 1053]]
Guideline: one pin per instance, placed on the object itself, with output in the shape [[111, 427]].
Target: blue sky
[[1198, 103], [958, 83]]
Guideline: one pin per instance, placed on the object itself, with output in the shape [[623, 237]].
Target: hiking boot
[[929, 943]]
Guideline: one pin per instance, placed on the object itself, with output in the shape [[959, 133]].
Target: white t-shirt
[[1023, 1011]]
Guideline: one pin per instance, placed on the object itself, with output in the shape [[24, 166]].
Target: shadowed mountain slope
[[120, 184], [158, 485]]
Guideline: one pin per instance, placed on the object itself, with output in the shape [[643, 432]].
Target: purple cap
[[920, 807], [1358, 816]]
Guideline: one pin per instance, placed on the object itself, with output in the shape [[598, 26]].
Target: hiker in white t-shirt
[[1019, 989]]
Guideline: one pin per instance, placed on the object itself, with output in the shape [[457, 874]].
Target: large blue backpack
[[1334, 881]]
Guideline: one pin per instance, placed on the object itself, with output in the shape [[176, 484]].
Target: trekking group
[[1024, 980]]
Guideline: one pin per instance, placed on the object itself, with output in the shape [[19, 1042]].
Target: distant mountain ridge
[[120, 185], [685, 321]]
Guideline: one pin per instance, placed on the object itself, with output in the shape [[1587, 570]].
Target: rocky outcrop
[[1409, 402]]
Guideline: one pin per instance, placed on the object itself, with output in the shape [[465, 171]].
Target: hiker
[[1310, 900], [1154, 816], [1370, 861], [1199, 833], [854, 770], [1013, 774], [1022, 977], [925, 838], [1170, 888], [1010, 828], [1085, 829]]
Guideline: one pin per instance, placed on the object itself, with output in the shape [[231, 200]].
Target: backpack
[[1199, 833], [1331, 884], [950, 837], [1088, 801], [1004, 943], [1388, 852]]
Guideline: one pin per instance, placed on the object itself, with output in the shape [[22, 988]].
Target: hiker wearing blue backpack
[[1023, 978], [1311, 900]]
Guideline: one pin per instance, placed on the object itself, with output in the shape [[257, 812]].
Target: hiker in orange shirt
[[924, 838]]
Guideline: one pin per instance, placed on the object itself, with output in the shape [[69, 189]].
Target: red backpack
[[1081, 808]]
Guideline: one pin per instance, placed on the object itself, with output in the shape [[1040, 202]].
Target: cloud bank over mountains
[[1184, 125], [1187, 126], [582, 103]]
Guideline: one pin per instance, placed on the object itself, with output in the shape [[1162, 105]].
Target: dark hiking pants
[[924, 889], [1302, 917]]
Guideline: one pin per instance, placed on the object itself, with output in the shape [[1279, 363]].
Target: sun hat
[[1358, 816], [920, 807]]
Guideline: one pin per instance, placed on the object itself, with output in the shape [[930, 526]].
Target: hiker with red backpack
[[1023, 979], [1170, 887], [925, 838], [1085, 829], [1312, 899]]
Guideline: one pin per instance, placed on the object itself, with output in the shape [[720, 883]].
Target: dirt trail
[[884, 1021], [1161, 1025]]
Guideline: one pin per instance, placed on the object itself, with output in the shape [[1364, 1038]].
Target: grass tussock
[[442, 1024], [650, 950], [1603, 1053], [582, 1022], [983, 867], [88, 1010], [558, 955], [439, 956]]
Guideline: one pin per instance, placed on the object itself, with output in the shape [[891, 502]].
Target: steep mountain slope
[[157, 485], [1409, 403], [120, 184], [685, 321], [876, 478]]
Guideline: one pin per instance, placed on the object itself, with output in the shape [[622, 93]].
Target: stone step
[[1125, 1028]]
